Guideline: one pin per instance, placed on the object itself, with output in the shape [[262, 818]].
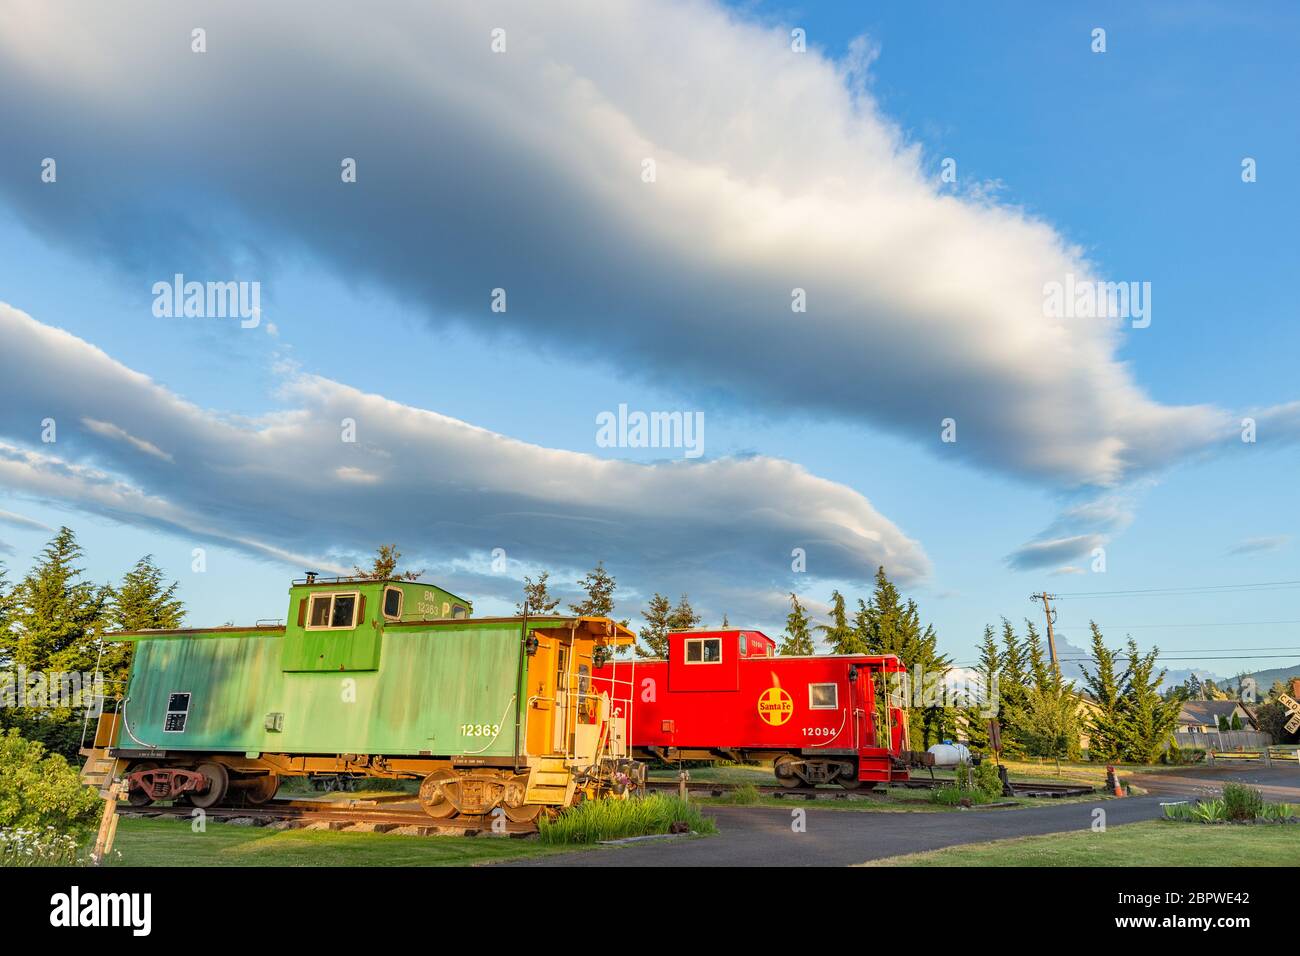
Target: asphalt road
[[764, 836]]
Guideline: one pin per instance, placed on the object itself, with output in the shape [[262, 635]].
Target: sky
[[684, 212]]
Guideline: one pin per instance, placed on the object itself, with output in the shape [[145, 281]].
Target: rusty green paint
[[359, 648], [444, 689]]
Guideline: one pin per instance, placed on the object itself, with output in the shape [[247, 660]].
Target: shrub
[[1178, 811], [1209, 811], [987, 780], [1278, 812], [1241, 803], [39, 791], [744, 794], [596, 820]]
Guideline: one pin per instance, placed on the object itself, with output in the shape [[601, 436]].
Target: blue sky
[[1132, 155]]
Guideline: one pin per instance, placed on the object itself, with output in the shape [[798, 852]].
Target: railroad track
[[832, 792], [404, 817]]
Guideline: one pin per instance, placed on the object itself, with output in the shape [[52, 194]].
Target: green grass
[[598, 820], [728, 773], [1153, 843], [171, 843]]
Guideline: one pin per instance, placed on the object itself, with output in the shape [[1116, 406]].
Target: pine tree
[[841, 636], [141, 602], [599, 585], [654, 635], [683, 616], [1038, 668], [55, 624], [891, 626], [797, 640], [383, 567], [1013, 688], [977, 713], [537, 597], [1105, 727], [1148, 720]]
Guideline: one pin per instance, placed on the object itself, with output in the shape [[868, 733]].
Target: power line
[[1201, 589], [1129, 627]]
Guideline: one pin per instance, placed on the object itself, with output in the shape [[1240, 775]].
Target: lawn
[[1153, 843], [171, 843]]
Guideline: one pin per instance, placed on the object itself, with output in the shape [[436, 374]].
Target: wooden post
[[107, 826]]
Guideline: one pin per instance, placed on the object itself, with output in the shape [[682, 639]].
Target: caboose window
[[704, 650], [392, 603], [823, 697], [744, 646], [332, 612]]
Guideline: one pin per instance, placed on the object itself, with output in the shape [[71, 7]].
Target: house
[[1205, 716]]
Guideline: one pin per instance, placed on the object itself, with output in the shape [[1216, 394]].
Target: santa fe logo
[[775, 706]]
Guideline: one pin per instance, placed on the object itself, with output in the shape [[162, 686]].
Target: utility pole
[[1047, 600]]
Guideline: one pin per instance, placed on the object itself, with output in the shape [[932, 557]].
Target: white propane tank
[[949, 755]]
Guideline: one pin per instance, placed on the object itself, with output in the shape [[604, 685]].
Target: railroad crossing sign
[[1290, 704]]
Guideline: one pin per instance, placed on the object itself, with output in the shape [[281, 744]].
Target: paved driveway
[[762, 836]]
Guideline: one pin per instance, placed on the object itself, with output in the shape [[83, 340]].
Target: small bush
[[38, 790], [1210, 811], [597, 820], [1241, 803], [1278, 812], [954, 796], [745, 794], [1178, 811], [987, 780]]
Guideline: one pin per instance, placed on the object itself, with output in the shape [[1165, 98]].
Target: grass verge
[[1152, 843], [598, 820], [172, 843]]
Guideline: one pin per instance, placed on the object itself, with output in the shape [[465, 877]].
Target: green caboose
[[372, 677]]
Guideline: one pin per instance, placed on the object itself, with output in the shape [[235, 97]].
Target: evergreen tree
[[840, 635], [976, 714], [141, 602], [683, 616], [797, 639], [383, 567], [1105, 727], [55, 624], [599, 585], [1038, 668], [891, 626], [1013, 689], [654, 635], [1148, 720], [537, 596]]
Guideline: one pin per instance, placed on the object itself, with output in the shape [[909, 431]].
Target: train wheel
[[524, 814], [849, 783], [139, 798], [218, 785], [784, 771], [432, 796], [263, 789]]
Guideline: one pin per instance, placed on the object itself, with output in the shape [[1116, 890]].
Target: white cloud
[[287, 486], [23, 522], [774, 171]]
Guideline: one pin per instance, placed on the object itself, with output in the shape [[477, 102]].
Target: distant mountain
[[1265, 679]]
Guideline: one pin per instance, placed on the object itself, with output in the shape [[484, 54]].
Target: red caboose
[[824, 719]]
